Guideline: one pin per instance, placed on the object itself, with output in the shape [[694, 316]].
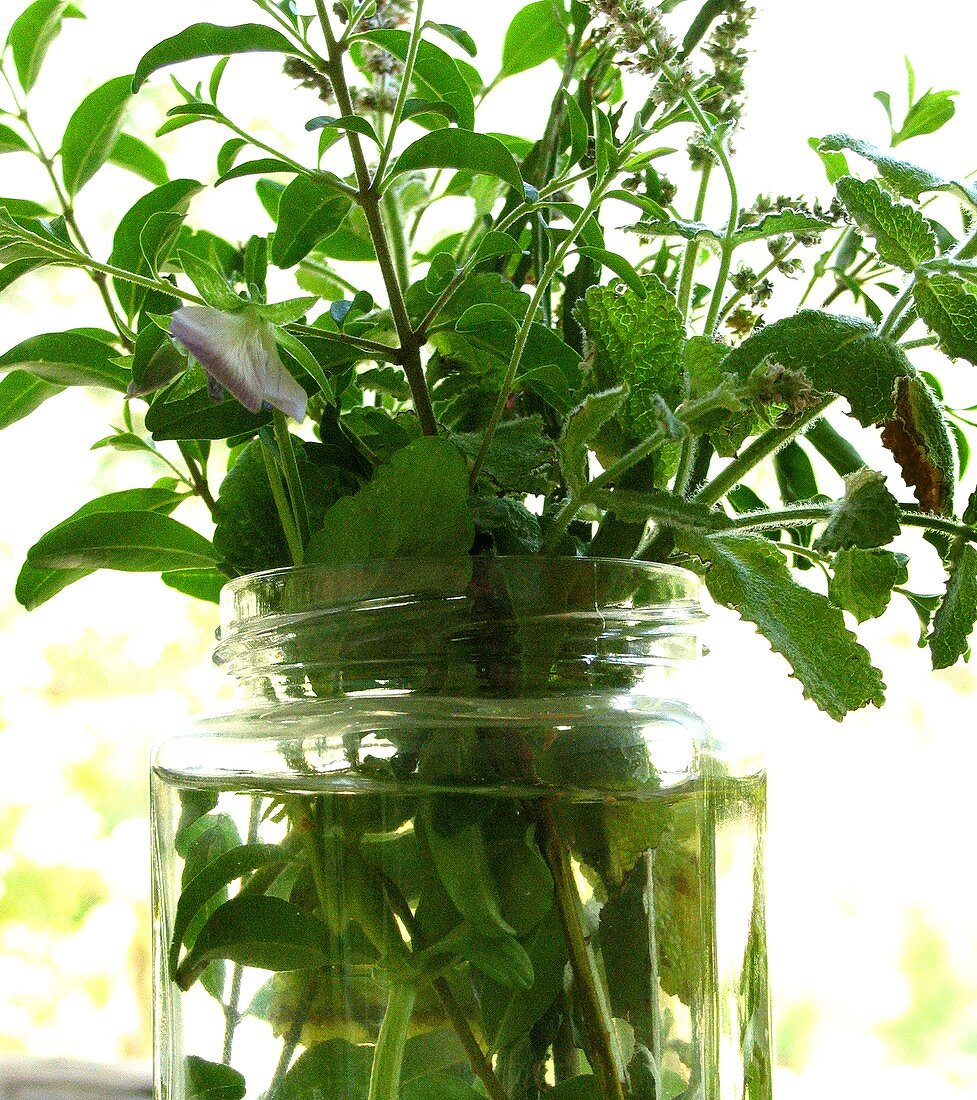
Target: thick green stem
[[592, 1005], [293, 480], [232, 1014], [388, 1055], [405, 82], [691, 255], [898, 310], [761, 447]]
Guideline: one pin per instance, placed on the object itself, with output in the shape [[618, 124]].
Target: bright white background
[[872, 924]]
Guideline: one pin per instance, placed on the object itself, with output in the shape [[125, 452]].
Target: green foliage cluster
[[524, 341], [461, 414]]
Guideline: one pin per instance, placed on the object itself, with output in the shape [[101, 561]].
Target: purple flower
[[238, 351]]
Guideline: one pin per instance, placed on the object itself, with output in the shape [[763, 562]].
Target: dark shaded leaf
[[919, 439], [203, 1080], [954, 621]]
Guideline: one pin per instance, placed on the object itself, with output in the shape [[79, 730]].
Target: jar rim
[[641, 590]]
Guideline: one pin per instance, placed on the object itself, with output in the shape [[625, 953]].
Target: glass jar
[[466, 836]]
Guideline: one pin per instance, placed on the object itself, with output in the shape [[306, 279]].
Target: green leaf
[[954, 621], [72, 358], [201, 584], [750, 575], [213, 878], [436, 73], [11, 141], [130, 541], [907, 178], [328, 1070], [92, 132], [948, 305], [580, 430], [203, 1080], [31, 36], [462, 149], [585, 1087], [789, 223], [866, 517], [210, 282], [135, 231], [36, 585], [508, 522], [249, 535], [841, 355], [902, 235], [663, 507], [348, 123], [862, 580], [931, 112], [458, 35], [638, 343], [413, 507], [429, 1053], [135, 155], [210, 40], [535, 35], [521, 458], [21, 393], [309, 210], [200, 417], [619, 265], [835, 164], [439, 1086], [919, 439], [264, 932], [259, 167]]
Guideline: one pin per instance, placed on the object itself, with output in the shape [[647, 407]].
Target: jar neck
[[502, 628]]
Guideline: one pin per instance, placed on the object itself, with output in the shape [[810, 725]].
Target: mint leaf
[[902, 235], [750, 575], [918, 437], [955, 618], [841, 355], [928, 114], [907, 178], [790, 223], [414, 507], [948, 305], [866, 517], [521, 459], [581, 428], [637, 342], [862, 581]]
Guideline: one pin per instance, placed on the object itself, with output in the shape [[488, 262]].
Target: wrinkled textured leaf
[[918, 437], [862, 580], [521, 459], [413, 507], [638, 343], [954, 621], [907, 178], [948, 305], [582, 427], [866, 517], [751, 576], [841, 355], [902, 235]]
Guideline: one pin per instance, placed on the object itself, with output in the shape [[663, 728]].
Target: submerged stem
[[388, 1056]]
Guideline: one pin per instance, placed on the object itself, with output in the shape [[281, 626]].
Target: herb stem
[[285, 515], [293, 480], [368, 196], [691, 255], [198, 478], [763, 446], [594, 1013], [405, 81], [388, 1055], [898, 309]]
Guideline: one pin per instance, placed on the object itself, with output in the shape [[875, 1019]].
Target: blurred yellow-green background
[[871, 907]]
